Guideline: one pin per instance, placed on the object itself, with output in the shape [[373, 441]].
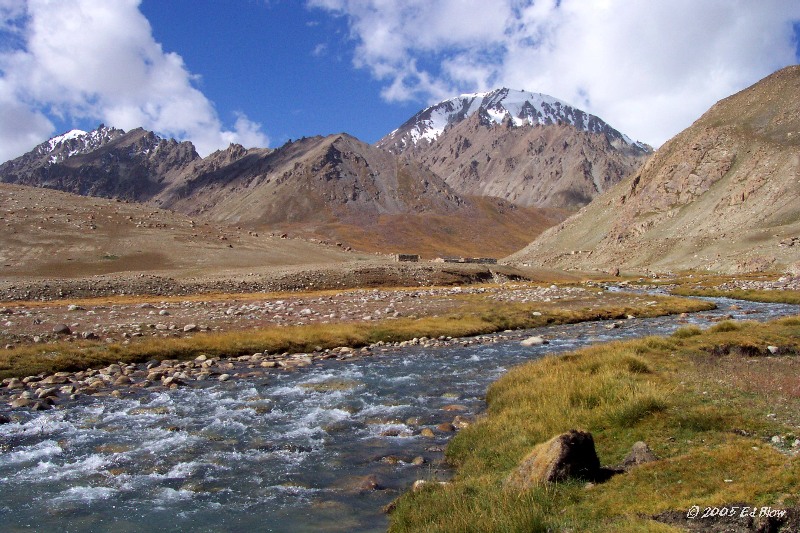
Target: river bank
[[718, 407], [320, 448], [248, 337]]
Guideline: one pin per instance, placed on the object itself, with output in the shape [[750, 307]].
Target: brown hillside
[[722, 195], [339, 188], [535, 166], [50, 233]]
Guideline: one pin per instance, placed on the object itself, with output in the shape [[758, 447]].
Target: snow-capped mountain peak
[[76, 142], [520, 108], [72, 134]]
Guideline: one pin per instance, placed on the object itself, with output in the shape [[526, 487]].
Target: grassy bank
[[753, 295], [686, 395], [475, 317]]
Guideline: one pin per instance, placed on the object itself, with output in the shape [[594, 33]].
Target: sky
[[262, 72]]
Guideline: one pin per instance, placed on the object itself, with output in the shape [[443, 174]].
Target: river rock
[[45, 392], [460, 422], [566, 456], [427, 433], [4, 419], [122, 380], [533, 341], [54, 380]]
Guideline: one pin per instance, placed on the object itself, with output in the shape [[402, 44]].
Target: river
[[292, 451]]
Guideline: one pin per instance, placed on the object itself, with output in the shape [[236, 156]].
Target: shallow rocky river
[[323, 448]]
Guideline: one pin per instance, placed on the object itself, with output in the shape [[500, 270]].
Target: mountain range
[[484, 175], [548, 158]]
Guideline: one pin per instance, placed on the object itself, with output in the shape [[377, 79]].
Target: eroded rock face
[[566, 456]]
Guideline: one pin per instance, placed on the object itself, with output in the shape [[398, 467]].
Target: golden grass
[[475, 317], [660, 390], [753, 295]]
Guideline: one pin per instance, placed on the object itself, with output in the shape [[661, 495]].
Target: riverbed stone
[[533, 341], [122, 380]]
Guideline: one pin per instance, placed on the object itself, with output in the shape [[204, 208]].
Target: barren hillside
[[722, 195]]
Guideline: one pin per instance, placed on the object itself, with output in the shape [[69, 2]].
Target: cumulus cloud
[[85, 59], [648, 68]]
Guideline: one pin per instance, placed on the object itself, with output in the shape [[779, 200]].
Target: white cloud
[[648, 68], [98, 60]]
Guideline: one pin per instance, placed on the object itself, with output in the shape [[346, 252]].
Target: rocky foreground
[[119, 324]]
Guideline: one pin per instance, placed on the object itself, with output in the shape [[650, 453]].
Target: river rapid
[[323, 448]]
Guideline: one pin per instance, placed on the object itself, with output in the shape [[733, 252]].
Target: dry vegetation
[[698, 407], [471, 314]]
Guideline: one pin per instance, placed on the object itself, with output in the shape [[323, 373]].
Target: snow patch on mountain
[[72, 134], [521, 108], [75, 142]]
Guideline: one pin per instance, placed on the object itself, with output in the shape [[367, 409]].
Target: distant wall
[[479, 260]]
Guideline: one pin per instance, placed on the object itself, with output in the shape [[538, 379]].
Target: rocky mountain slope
[[722, 195], [528, 148], [319, 179], [334, 188], [105, 162], [340, 188]]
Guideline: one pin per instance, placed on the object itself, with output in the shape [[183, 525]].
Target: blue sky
[[260, 72], [288, 65]]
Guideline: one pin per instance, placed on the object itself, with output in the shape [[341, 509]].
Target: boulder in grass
[[640, 454], [570, 455], [62, 329]]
